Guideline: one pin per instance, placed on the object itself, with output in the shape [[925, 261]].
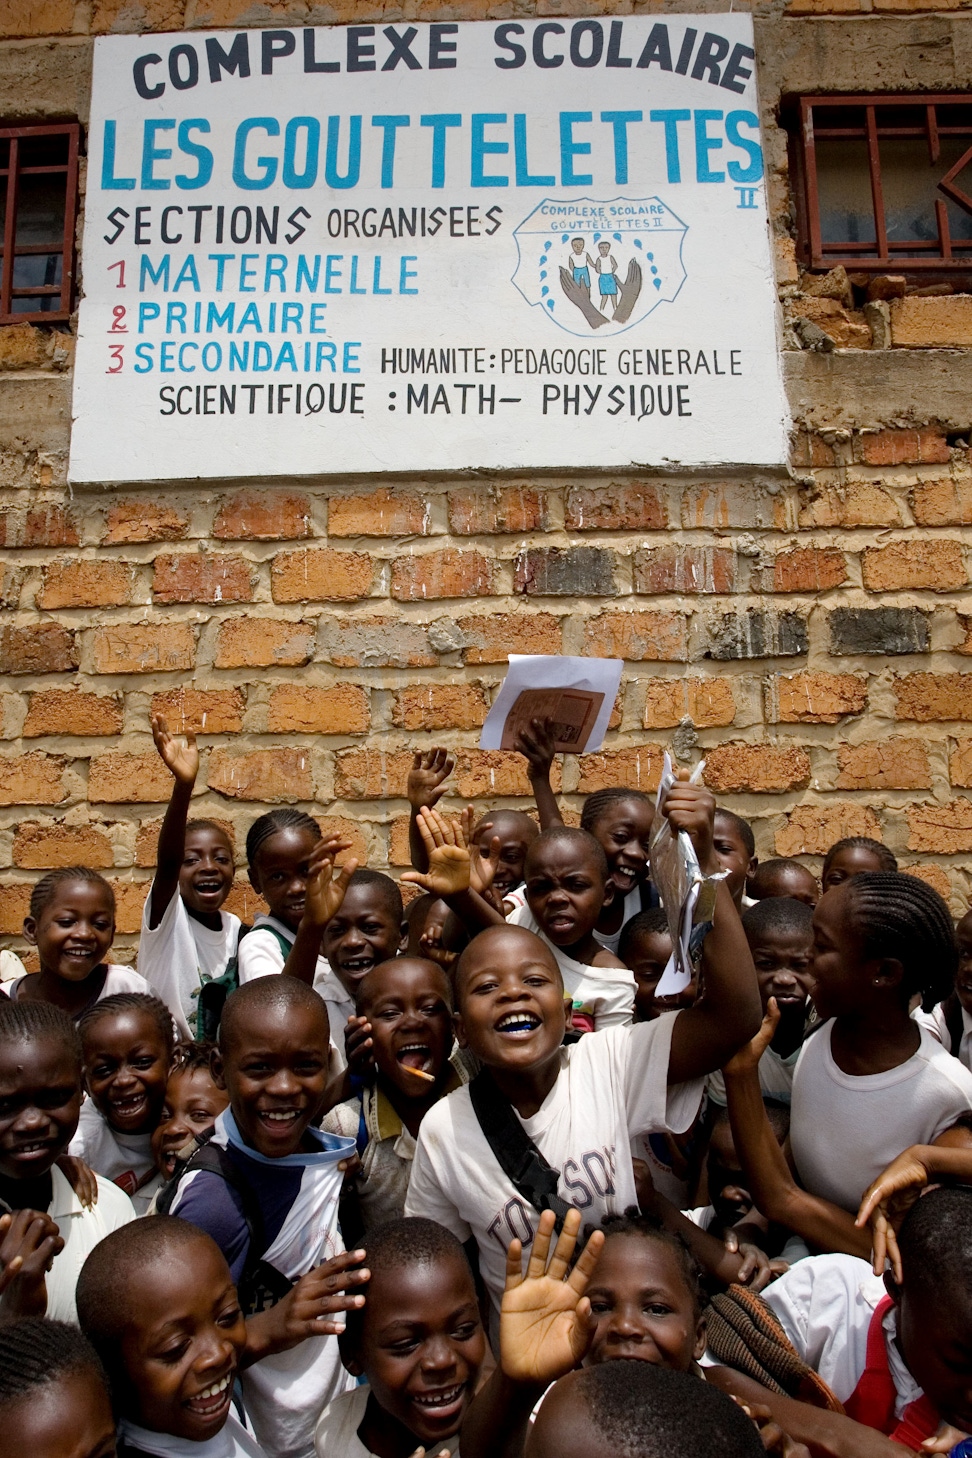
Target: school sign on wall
[[420, 247]]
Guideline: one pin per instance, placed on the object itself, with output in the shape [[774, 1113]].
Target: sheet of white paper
[[578, 693]]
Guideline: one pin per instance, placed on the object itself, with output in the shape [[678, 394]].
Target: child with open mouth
[[193, 1103]]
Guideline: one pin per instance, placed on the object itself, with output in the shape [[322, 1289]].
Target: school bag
[[515, 1151], [260, 1285], [213, 994]]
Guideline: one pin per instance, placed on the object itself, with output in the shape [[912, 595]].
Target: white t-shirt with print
[[115, 1155], [337, 1429], [81, 1230], [179, 954], [602, 995], [845, 1129], [612, 1085]]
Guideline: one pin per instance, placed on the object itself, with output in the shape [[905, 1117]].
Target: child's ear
[[402, 937], [460, 1030], [253, 876], [892, 1288], [885, 971], [608, 891], [700, 1339], [753, 863], [216, 1069], [30, 930], [349, 1353]]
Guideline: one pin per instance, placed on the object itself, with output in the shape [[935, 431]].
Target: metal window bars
[[17, 168]]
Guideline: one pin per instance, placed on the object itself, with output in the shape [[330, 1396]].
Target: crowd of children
[[374, 1178]]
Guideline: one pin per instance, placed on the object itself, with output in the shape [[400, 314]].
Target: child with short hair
[[157, 1302], [646, 947], [419, 1342], [48, 1231], [366, 926], [407, 1003], [187, 939], [783, 877], [126, 1043], [71, 922], [852, 855], [570, 1113], [193, 1103], [266, 1188], [54, 1400], [735, 849]]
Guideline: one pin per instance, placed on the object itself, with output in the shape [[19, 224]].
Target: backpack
[[260, 1285], [213, 994]]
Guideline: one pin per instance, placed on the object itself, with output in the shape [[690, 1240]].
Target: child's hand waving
[[326, 885], [425, 785], [545, 1316], [182, 760], [536, 744], [448, 873]]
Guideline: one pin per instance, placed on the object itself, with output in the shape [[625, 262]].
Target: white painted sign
[[426, 247]]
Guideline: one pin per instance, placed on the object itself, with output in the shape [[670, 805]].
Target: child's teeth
[[216, 1388]]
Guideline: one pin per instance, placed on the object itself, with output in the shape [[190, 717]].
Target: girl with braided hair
[[53, 1391], [870, 1081]]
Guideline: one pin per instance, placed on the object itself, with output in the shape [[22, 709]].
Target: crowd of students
[[367, 1179]]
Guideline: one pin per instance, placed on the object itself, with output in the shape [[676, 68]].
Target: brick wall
[[808, 632]]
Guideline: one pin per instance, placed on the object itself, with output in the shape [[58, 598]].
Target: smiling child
[[193, 1103], [54, 1399], [367, 927]]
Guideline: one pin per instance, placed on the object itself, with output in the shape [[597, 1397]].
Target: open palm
[[182, 760], [545, 1318], [448, 873]]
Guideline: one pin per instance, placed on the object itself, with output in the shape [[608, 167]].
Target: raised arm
[[537, 747], [182, 761], [425, 787], [448, 873], [727, 1013], [771, 1184], [325, 892]]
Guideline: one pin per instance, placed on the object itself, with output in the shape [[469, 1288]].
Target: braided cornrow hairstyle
[[35, 1351], [123, 1002], [598, 803], [899, 916], [286, 818], [27, 1021], [885, 858], [46, 889]]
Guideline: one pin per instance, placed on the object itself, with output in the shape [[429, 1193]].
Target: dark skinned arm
[[183, 763], [425, 787], [536, 746], [826, 1434], [325, 892]]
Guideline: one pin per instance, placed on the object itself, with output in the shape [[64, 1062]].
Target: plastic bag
[[675, 871]]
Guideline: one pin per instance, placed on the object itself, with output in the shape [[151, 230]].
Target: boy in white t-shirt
[[186, 939], [581, 1105]]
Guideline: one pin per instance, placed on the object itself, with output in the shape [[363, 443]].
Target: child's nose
[[438, 1355]]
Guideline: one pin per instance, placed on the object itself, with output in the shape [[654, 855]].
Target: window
[[884, 183], [38, 202]]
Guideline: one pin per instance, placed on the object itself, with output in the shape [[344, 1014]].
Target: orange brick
[[14, 904], [49, 525], [910, 565], [639, 637], [69, 711], [812, 829], [708, 702], [811, 450], [945, 502], [382, 513], [142, 648], [138, 520], [305, 709], [761, 768], [496, 509], [201, 711], [152, 15], [244, 902], [934, 876], [263, 643], [398, 851], [274, 775], [850, 504], [356, 831], [316, 574], [263, 516], [439, 706], [637, 769], [202, 577], [371, 774], [37, 648], [129, 901], [40, 847], [684, 569], [85, 583], [486, 773], [924, 697], [945, 830], [492, 638], [883, 764], [960, 764], [626, 508], [36, 17], [809, 569], [815, 698], [117, 778], [903, 447], [449, 573], [31, 779]]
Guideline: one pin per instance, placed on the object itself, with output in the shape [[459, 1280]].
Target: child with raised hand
[[366, 926], [193, 1102], [783, 877], [54, 1400], [71, 922], [126, 1044], [419, 1342], [266, 1187], [869, 1083], [570, 1112], [424, 788], [186, 939], [407, 1004], [46, 1231], [849, 857]]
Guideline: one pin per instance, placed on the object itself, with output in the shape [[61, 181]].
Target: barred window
[[38, 208]]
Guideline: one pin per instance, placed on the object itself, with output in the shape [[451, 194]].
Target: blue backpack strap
[[361, 1138]]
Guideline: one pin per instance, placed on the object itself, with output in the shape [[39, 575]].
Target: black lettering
[[442, 53], [276, 44], [577, 31], [735, 73], [310, 63], [358, 50], [540, 57], [517, 56], [657, 49], [149, 93], [191, 78], [235, 60], [401, 51], [712, 52]]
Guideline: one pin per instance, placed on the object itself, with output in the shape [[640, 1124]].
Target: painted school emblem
[[598, 267]]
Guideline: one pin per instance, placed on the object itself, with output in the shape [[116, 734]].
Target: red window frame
[[10, 249], [942, 255]]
